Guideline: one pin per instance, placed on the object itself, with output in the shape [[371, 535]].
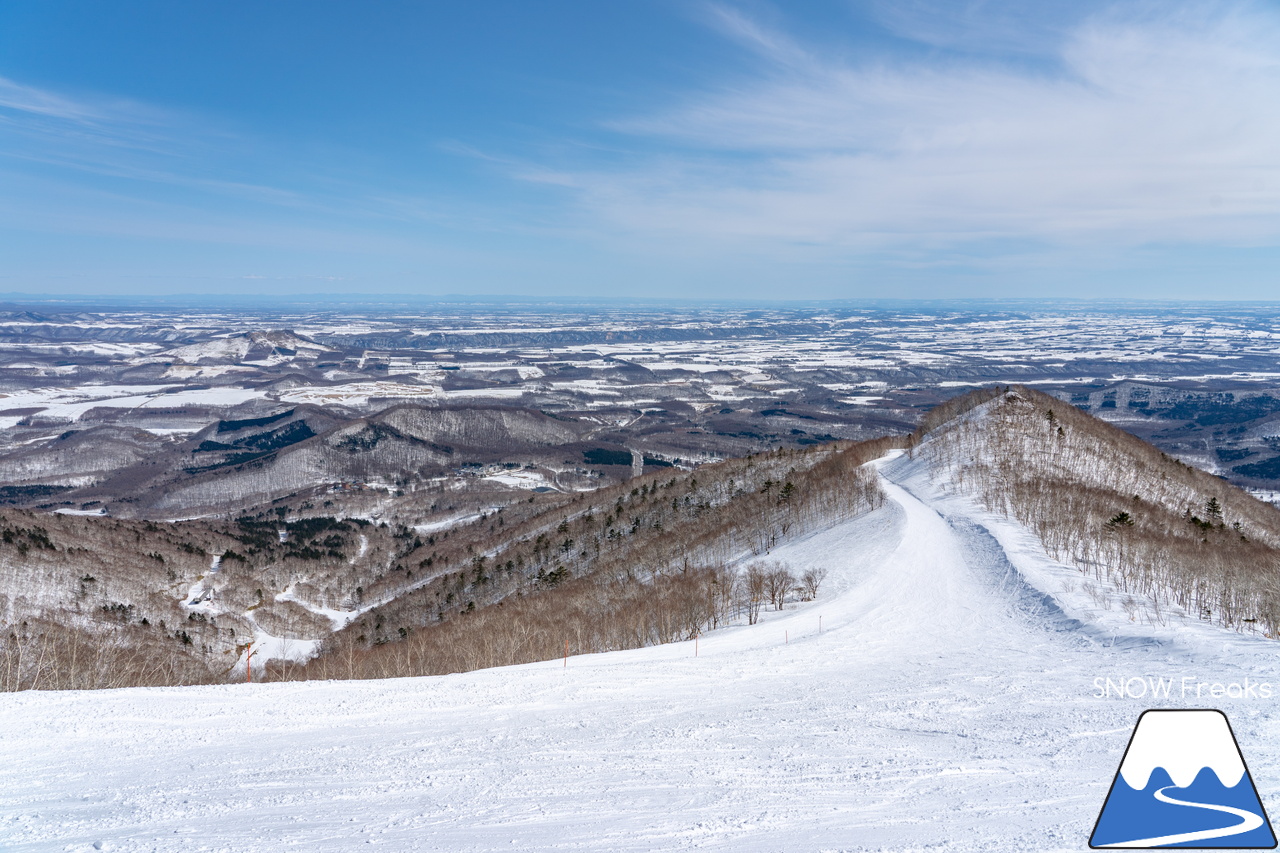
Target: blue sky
[[823, 149]]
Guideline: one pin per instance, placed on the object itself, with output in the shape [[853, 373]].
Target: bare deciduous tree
[[754, 591], [810, 581], [778, 582]]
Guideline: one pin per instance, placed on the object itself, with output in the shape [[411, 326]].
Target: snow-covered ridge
[[238, 346], [1163, 536]]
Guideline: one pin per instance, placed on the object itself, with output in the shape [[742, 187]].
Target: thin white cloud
[[91, 164], [103, 166], [772, 44], [1151, 124], [29, 99], [1009, 27], [120, 139], [36, 119]]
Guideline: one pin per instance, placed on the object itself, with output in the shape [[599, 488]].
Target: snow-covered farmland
[[359, 393], [520, 479], [71, 403], [933, 698]]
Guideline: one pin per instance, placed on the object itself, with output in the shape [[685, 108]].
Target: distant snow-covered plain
[[933, 698], [947, 348]]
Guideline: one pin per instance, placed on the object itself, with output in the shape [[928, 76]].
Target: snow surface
[[948, 703], [520, 479], [357, 393], [71, 403]]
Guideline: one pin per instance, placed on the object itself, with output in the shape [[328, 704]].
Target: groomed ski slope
[[948, 704]]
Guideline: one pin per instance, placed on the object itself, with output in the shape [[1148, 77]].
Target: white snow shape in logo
[[1183, 743]]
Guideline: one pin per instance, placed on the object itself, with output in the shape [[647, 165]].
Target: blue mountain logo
[[1183, 783]]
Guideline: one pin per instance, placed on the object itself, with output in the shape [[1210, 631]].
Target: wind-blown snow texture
[[948, 704]]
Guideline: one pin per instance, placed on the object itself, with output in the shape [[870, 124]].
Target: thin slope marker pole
[[566, 653], [819, 624], [248, 666], [786, 638]]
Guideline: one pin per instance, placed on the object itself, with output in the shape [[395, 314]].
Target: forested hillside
[[1161, 532], [98, 602], [95, 601], [661, 558]]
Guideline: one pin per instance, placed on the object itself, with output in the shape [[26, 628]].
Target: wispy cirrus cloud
[[123, 169], [773, 44], [116, 167], [41, 124], [1012, 28], [1142, 125], [19, 98], [120, 139]]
